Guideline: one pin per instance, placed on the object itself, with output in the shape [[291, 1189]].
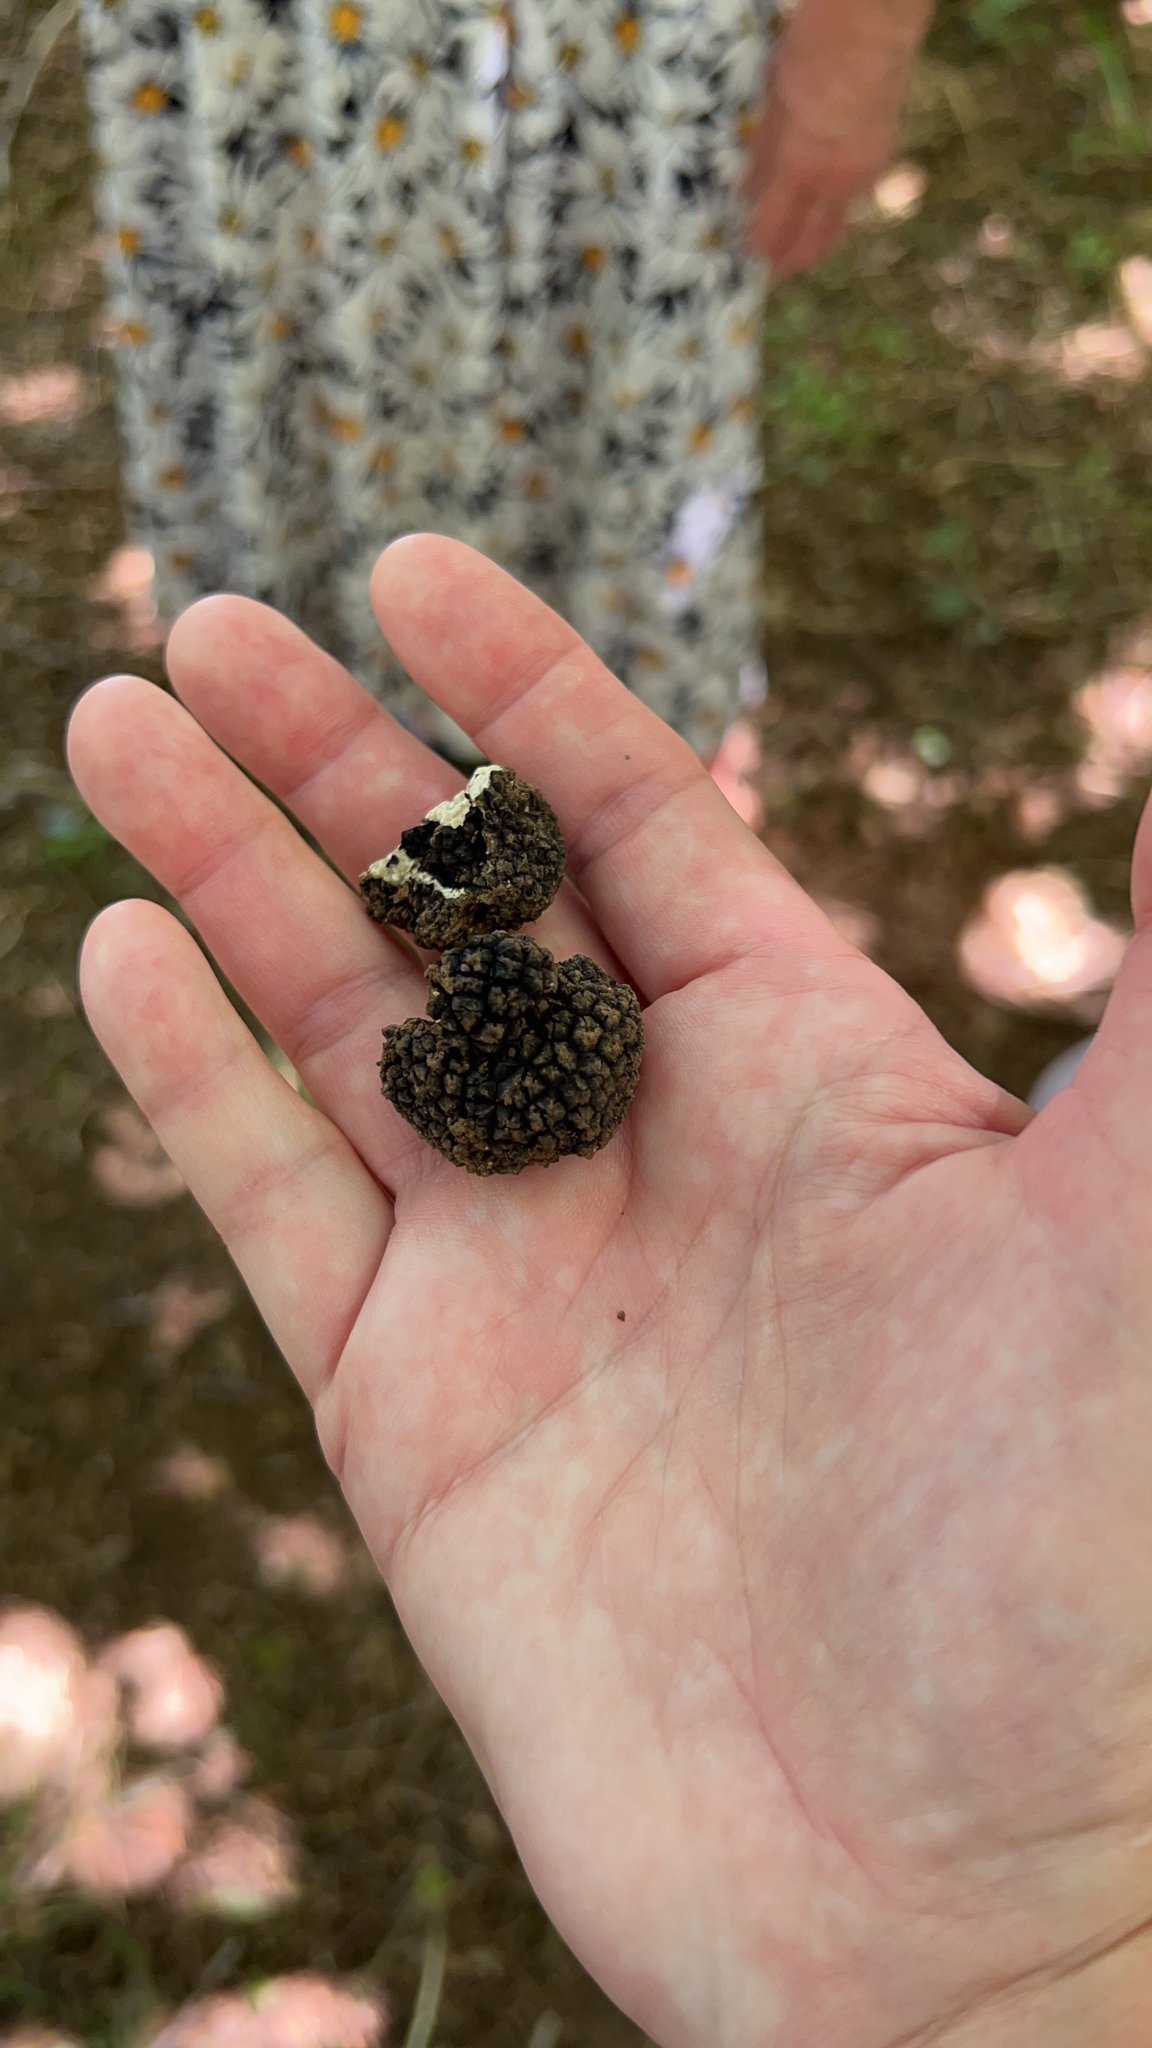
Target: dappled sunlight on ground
[[900, 192], [1110, 349], [127, 582], [222, 1767], [33, 2036], [1097, 349], [57, 1716], [57, 393], [244, 1869], [734, 763], [179, 1308], [915, 787], [1134, 278], [304, 2011], [1039, 809], [122, 1841], [172, 1699], [1116, 706], [997, 238], [894, 781], [1035, 940], [902, 784], [65, 1723], [131, 1169], [301, 2010], [294, 1553], [297, 1550], [191, 1475]]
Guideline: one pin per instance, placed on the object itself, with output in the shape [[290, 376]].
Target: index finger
[[679, 885]]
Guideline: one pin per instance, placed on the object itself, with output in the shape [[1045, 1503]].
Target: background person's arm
[[834, 100]]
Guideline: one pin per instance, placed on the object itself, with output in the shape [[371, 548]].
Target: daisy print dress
[[378, 266]]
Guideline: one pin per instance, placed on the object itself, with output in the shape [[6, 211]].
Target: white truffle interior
[[455, 809], [400, 866]]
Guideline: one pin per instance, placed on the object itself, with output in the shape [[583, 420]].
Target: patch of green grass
[[70, 837], [1008, 24]]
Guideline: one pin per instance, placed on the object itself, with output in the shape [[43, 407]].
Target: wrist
[[897, 27], [836, 69]]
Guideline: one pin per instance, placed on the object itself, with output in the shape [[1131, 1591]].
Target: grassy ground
[[954, 535], [953, 539]]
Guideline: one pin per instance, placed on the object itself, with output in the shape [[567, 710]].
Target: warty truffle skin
[[488, 859], [521, 1059]]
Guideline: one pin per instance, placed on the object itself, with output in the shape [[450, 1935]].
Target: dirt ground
[[958, 535]]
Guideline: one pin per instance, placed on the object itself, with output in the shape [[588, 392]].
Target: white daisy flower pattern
[[385, 265]]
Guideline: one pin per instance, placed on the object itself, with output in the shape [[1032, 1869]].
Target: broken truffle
[[488, 859], [520, 1060]]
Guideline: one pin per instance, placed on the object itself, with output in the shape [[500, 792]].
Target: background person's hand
[[836, 91], [802, 1620]]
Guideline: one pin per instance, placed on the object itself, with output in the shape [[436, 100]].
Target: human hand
[[801, 1619], [835, 95]]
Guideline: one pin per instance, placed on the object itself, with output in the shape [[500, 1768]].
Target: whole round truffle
[[520, 1060], [486, 860]]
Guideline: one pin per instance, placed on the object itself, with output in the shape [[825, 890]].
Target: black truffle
[[520, 1060], [486, 860]]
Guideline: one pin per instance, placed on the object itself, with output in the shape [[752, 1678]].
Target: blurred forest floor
[[958, 416]]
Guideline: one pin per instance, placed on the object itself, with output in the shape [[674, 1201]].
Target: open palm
[[769, 1497]]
